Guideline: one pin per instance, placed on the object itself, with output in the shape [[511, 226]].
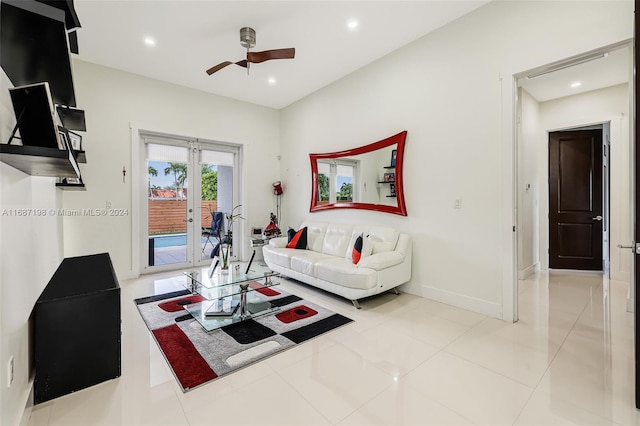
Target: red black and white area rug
[[197, 356]]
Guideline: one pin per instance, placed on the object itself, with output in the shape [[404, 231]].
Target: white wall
[[30, 252], [453, 91], [114, 101], [599, 106], [528, 186]]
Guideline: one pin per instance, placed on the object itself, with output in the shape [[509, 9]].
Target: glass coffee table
[[230, 295]]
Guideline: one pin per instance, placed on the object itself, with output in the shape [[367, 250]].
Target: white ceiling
[[596, 74], [192, 36]]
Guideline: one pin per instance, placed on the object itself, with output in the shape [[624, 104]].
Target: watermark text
[[42, 212]]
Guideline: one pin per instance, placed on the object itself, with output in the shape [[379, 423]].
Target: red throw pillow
[[361, 249], [356, 254], [299, 240]]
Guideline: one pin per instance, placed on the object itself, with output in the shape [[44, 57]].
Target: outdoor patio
[[167, 220], [177, 254]]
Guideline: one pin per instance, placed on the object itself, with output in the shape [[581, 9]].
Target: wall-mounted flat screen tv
[[34, 49]]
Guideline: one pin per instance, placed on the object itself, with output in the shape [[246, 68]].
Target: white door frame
[[139, 196], [510, 139]]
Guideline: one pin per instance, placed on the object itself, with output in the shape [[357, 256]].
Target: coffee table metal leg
[[244, 312]]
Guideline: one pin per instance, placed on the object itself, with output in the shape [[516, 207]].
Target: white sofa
[[327, 262]]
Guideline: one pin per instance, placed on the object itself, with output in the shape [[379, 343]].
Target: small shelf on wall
[[71, 186], [40, 161]]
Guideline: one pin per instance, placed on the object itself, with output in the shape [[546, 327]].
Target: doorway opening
[[538, 115]]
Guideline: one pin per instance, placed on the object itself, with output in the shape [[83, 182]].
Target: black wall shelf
[[71, 186], [39, 161], [31, 59]]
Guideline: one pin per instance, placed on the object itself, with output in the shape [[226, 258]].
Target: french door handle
[[188, 220], [598, 218]]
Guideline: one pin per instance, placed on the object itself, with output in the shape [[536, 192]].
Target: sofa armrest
[[380, 261], [279, 242]]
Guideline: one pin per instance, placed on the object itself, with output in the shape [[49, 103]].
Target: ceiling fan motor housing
[[247, 37]]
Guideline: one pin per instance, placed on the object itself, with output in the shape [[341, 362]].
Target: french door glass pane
[[167, 204], [216, 195]]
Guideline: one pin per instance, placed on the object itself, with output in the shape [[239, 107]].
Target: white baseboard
[[465, 302], [527, 272], [128, 275]]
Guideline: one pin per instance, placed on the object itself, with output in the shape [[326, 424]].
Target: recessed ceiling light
[[352, 24], [271, 80], [149, 41], [576, 84]]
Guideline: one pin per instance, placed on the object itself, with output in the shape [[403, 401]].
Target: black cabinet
[[77, 328]]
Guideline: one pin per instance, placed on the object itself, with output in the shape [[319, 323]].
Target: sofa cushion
[[279, 256], [384, 239], [298, 240], [336, 239], [315, 235], [303, 261], [341, 271]]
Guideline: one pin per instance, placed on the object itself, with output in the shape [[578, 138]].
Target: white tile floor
[[404, 361]]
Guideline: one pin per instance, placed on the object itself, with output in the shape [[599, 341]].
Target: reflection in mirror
[[368, 177]]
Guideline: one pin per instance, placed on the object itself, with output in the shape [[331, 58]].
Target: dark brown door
[[575, 200]]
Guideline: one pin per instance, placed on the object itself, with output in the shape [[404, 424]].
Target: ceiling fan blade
[[257, 57], [242, 63], [218, 67]]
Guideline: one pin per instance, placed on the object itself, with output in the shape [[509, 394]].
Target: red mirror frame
[[400, 209]]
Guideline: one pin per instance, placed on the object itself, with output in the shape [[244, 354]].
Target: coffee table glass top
[[229, 294], [201, 312], [236, 274]]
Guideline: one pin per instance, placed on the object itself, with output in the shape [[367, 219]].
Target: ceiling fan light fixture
[[248, 40], [247, 37]]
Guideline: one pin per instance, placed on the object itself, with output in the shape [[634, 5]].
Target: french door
[[188, 182]]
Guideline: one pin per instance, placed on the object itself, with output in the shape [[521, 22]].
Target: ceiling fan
[[248, 40]]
